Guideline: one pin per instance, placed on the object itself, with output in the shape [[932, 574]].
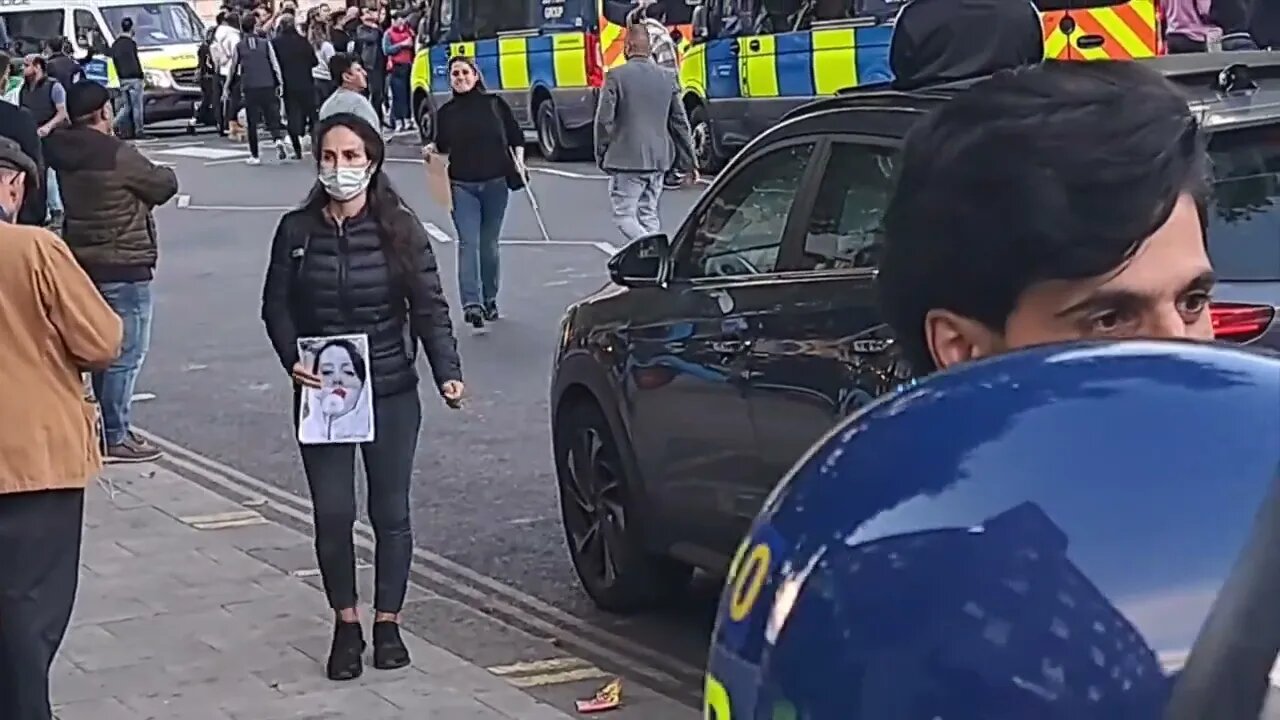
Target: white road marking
[[441, 236], [241, 208], [142, 397], [607, 248], [205, 153], [229, 161], [184, 201], [540, 615], [436, 233], [567, 173]]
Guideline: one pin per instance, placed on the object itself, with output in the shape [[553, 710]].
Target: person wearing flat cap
[[55, 326], [109, 190]]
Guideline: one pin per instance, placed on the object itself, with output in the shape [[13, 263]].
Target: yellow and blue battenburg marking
[[554, 60], [799, 64]]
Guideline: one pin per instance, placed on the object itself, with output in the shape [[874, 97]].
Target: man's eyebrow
[[1118, 298]]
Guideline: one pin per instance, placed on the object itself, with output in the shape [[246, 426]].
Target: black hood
[[937, 41]]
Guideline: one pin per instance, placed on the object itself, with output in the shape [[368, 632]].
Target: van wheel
[[425, 119], [704, 146], [598, 508], [550, 138]]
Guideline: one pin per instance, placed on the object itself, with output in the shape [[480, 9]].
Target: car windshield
[[1244, 219], [158, 24]]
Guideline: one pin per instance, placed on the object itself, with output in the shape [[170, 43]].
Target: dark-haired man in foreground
[[1056, 202]]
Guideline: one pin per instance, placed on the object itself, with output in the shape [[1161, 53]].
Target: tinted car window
[[844, 228], [1244, 220], [740, 231]]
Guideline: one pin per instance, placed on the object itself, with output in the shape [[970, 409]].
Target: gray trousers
[[634, 197]]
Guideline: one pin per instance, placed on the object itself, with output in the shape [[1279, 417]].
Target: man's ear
[[955, 339]]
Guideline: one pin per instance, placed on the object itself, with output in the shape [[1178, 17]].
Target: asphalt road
[[484, 493]]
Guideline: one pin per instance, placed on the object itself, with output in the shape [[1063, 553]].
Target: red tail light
[[1240, 323], [595, 61]]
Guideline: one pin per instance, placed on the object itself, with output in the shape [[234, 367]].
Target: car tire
[[598, 509], [704, 146], [550, 136], [425, 118]]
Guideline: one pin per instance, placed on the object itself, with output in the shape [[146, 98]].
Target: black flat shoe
[[389, 651], [344, 656]]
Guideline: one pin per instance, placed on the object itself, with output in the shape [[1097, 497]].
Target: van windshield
[[1244, 217], [157, 24], [28, 30]]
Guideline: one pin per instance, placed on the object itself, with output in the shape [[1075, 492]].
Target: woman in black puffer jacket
[[354, 260]]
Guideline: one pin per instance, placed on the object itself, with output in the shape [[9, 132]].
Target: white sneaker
[[253, 161]]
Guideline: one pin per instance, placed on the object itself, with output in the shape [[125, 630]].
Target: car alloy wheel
[[595, 489], [600, 518]]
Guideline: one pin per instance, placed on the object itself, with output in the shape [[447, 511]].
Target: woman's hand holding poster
[[340, 409]]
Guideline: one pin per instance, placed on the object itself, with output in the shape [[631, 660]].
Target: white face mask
[[345, 183]]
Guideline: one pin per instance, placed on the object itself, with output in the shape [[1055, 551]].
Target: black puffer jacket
[[323, 280]]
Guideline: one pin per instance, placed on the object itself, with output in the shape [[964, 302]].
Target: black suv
[[686, 389]]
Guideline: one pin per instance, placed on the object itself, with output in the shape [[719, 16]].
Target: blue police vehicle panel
[[1041, 535]]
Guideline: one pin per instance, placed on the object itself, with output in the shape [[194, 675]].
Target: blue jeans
[[53, 197], [114, 386], [478, 210], [400, 109], [130, 118]]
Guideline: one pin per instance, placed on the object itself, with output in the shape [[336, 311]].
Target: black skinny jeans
[[388, 464], [40, 533], [261, 104], [299, 106]]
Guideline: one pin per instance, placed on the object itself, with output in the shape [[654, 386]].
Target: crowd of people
[[256, 63]]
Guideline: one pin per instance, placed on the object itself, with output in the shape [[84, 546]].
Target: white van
[[168, 33]]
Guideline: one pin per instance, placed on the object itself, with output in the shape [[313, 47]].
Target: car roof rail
[[879, 94]]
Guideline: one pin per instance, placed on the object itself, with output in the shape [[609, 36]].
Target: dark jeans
[[300, 108], [261, 104], [40, 534], [378, 94], [114, 386], [129, 122], [388, 465], [478, 211], [400, 92]]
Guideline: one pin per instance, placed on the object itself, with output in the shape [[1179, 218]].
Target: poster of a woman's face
[[341, 409]]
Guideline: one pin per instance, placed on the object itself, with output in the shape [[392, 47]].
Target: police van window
[[740, 231], [1244, 217], [159, 24], [86, 28], [480, 19], [844, 229], [30, 29]]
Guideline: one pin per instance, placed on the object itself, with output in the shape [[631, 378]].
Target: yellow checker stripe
[[835, 60], [759, 76], [513, 63], [569, 54], [1055, 46]]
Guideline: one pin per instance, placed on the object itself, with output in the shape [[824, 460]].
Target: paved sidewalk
[[175, 620]]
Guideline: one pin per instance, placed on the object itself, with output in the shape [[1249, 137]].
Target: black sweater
[[323, 280], [477, 131]]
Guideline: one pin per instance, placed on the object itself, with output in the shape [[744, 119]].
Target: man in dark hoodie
[[366, 44], [110, 191], [932, 40]]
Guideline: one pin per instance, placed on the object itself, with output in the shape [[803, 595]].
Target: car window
[[844, 229], [740, 231], [86, 28], [1244, 219]]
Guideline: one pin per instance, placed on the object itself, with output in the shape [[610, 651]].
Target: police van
[[168, 33]]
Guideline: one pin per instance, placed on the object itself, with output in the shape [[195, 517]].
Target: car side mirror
[[644, 262], [700, 29]]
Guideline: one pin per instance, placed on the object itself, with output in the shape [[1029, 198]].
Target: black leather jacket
[[325, 280]]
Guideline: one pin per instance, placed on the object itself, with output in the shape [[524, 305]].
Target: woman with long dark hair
[[354, 260], [490, 145]]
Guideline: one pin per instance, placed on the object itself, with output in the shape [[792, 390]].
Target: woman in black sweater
[[481, 178]]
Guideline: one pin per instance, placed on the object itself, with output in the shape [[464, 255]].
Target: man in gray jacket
[[639, 124]]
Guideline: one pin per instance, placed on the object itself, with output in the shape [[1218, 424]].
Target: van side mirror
[[644, 262], [700, 29]]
